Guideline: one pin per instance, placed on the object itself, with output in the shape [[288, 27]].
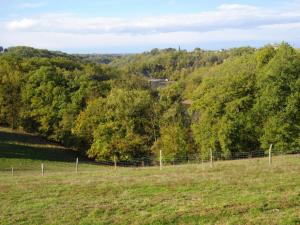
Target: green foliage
[[28, 52], [231, 101], [222, 109], [173, 142], [249, 103], [264, 55], [125, 129], [278, 101], [170, 63], [174, 125], [44, 95], [45, 91], [88, 120], [10, 86]]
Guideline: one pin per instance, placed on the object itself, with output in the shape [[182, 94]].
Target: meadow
[[231, 192]]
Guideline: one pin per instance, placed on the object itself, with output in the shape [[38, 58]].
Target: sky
[[130, 26]]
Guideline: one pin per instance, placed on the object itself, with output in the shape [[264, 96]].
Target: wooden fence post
[[12, 171], [115, 162], [77, 165], [42, 169], [211, 158], [160, 159], [270, 154]]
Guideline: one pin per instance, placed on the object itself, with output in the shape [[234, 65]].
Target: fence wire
[[149, 161]]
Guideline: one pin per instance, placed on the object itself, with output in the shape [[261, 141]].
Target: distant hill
[[28, 52]]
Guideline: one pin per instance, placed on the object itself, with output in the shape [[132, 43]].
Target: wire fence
[[160, 160], [211, 156]]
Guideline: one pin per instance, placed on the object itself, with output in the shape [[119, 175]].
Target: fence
[[81, 164], [212, 156]]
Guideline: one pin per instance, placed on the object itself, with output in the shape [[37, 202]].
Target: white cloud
[[22, 24], [228, 23], [226, 16], [117, 42]]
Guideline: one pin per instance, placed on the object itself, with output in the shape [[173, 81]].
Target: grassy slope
[[25, 151], [233, 192]]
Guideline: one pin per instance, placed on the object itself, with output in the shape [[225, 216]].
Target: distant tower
[[179, 48]]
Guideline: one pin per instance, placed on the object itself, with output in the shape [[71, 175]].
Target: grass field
[[232, 192]]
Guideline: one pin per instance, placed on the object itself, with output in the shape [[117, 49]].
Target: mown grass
[[232, 192]]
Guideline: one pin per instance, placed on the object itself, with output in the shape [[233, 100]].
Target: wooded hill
[[230, 101]]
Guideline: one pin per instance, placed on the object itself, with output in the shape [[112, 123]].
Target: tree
[[121, 126], [264, 55], [174, 125], [278, 101], [88, 121], [44, 96], [222, 109], [10, 99], [173, 142]]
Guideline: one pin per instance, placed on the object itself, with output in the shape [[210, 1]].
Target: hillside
[[231, 102], [232, 192], [25, 152]]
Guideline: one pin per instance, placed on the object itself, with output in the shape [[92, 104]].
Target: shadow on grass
[[22, 138], [37, 153], [17, 146]]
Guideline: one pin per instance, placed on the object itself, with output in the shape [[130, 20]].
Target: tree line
[[230, 101]]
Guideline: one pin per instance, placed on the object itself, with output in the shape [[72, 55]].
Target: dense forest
[[230, 101]]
